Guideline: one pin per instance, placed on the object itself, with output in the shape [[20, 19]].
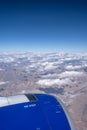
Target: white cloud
[[50, 66], [49, 82], [6, 59], [1, 69], [70, 73], [71, 67], [1, 83], [49, 75]]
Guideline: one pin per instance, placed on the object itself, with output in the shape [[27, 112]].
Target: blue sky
[[43, 25]]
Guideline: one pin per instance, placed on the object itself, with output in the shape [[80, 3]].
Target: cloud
[[50, 66], [1, 83], [71, 67], [70, 73], [6, 59], [49, 82]]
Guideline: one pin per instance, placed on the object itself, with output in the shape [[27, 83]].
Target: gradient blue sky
[[43, 25]]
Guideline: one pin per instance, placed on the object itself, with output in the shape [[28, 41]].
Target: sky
[[43, 25]]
